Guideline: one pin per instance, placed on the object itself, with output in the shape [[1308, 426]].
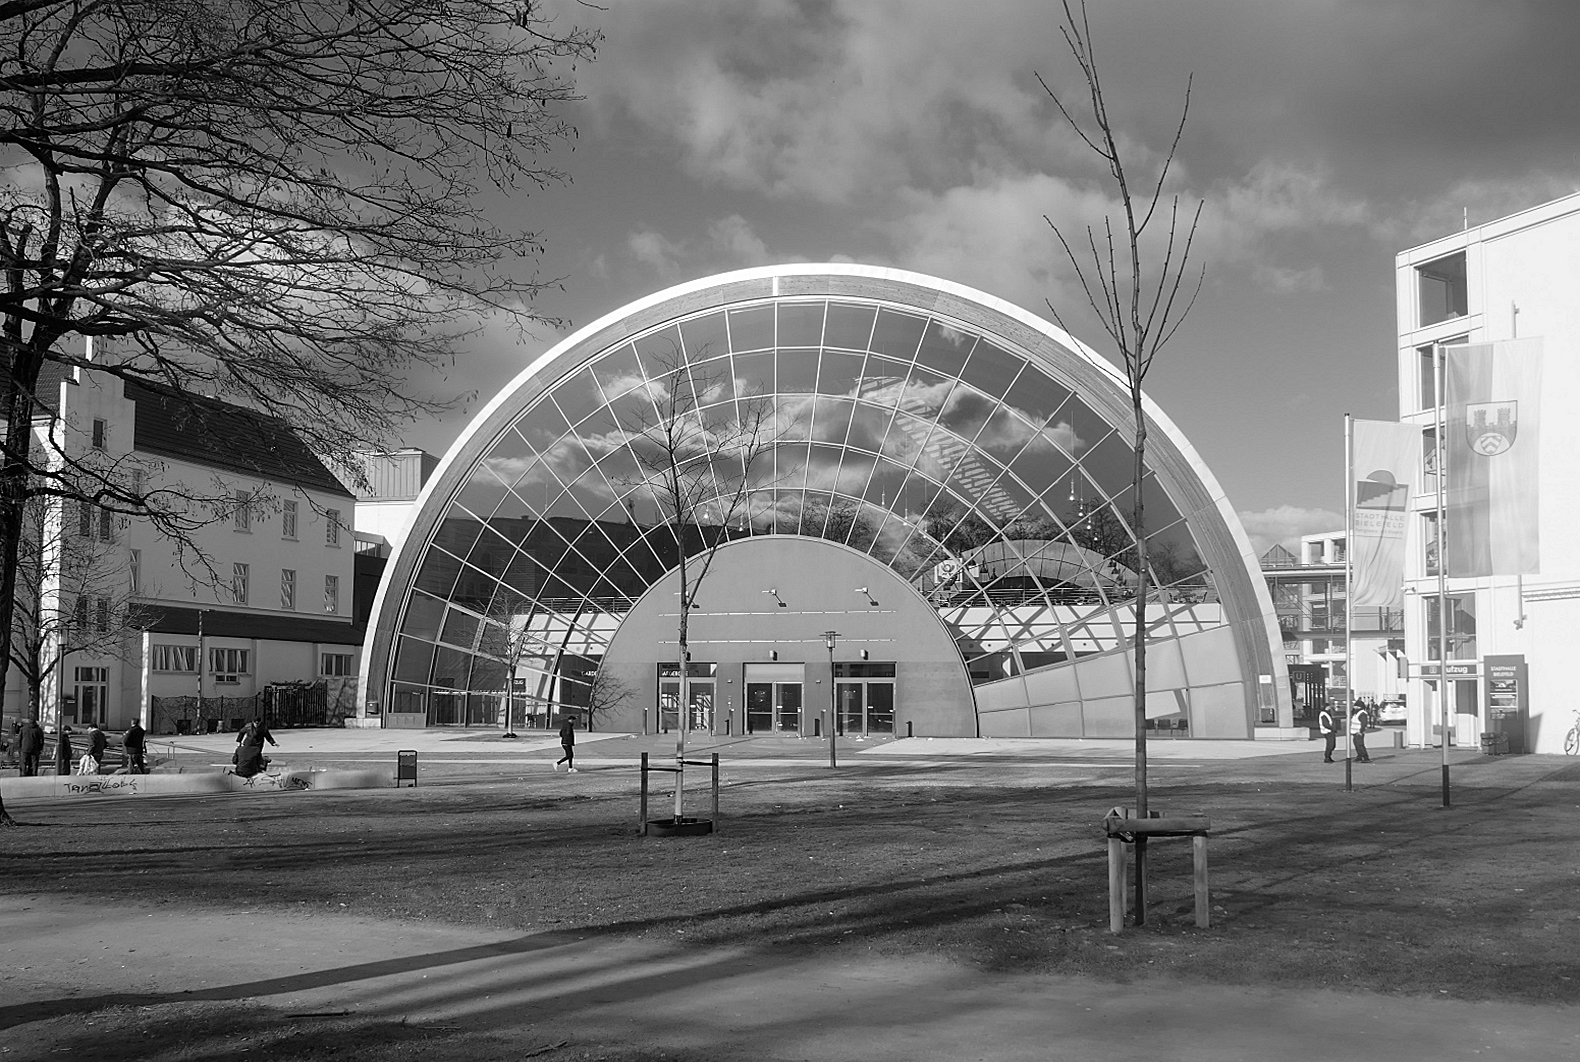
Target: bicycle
[[1572, 739]]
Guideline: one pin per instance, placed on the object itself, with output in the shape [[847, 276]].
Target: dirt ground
[[951, 911]]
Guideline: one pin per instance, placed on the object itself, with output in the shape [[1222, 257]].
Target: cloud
[[727, 243], [1283, 525]]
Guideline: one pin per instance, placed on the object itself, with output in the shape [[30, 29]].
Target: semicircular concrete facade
[[971, 451]]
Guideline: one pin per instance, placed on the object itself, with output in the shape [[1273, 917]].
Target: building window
[[288, 520], [85, 519], [243, 511], [79, 614], [229, 665], [174, 658], [239, 578], [1443, 290], [332, 593], [1461, 626], [99, 432], [135, 565], [1429, 541], [106, 525], [101, 615], [336, 664], [287, 589], [332, 529]]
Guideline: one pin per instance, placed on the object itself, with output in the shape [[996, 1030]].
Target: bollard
[[715, 792], [641, 822]]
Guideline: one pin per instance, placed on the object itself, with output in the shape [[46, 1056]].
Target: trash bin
[[1494, 744], [183, 726]]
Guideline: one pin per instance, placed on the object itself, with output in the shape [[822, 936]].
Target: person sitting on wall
[[249, 758]]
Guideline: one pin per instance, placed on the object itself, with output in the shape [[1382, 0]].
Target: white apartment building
[[1509, 636], [1309, 595], [269, 602]]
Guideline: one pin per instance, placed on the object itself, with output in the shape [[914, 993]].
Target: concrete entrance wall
[[737, 622]]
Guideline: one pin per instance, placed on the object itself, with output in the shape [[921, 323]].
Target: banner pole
[[1439, 371], [1349, 596]]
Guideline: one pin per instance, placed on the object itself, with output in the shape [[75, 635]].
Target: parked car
[[1391, 712]]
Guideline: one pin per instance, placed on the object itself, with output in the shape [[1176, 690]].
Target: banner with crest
[[1492, 424], [1384, 456]]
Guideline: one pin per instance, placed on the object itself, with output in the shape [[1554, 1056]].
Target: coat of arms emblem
[[1490, 427]]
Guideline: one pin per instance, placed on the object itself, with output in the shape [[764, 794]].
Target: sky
[[1324, 136]]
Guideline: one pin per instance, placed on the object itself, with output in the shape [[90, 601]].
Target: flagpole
[[1440, 443], [1349, 595]]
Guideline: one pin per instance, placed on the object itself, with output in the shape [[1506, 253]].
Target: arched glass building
[[940, 477]]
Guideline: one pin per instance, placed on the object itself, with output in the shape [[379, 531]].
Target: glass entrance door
[[865, 693], [866, 707], [92, 689], [773, 707], [701, 689]]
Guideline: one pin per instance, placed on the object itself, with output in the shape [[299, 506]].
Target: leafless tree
[[697, 450], [73, 595], [1139, 286], [607, 693], [287, 204]]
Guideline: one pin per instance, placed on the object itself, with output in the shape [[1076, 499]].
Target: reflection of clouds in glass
[[955, 337]]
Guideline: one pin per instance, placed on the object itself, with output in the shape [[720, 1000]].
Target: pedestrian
[[1329, 731], [135, 741], [63, 751], [97, 743], [249, 758], [32, 746], [568, 743], [1360, 719]]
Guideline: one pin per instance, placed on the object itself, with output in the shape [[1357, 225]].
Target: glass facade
[[974, 471]]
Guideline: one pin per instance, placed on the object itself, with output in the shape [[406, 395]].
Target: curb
[[79, 787]]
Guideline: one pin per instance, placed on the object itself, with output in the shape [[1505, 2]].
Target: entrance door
[[773, 707], [773, 698], [865, 692], [701, 688], [866, 707], [92, 690]]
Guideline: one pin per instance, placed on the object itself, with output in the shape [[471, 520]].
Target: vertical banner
[[1491, 427], [1385, 455]]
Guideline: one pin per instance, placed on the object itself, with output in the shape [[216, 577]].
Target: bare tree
[[1137, 285], [607, 693], [697, 450], [287, 204], [73, 594]]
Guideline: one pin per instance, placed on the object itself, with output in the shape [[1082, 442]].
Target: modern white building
[[1509, 636], [267, 597], [1309, 595]]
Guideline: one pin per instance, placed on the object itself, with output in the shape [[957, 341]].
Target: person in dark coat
[[97, 743], [64, 754], [135, 741], [568, 743], [32, 746], [250, 759]]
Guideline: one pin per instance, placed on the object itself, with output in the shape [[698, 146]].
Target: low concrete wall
[[93, 787]]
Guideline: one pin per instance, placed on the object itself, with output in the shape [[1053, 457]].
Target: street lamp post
[[830, 638]]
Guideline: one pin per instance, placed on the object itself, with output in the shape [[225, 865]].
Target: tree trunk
[[1139, 529]]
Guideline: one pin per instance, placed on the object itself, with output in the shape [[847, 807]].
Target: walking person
[[1329, 731], [32, 746], [568, 743], [135, 741], [1360, 719], [97, 743]]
